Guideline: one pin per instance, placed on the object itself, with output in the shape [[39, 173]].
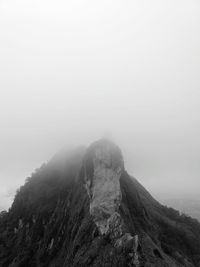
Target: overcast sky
[[74, 71]]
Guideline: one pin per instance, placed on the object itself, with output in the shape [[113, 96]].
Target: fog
[[72, 72]]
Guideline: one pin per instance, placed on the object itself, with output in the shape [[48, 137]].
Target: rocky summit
[[83, 209]]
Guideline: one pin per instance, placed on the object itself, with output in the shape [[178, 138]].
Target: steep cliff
[[85, 210]]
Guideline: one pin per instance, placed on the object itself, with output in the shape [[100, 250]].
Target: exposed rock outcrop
[[103, 169]]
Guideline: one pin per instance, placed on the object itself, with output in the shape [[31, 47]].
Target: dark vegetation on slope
[[49, 223], [177, 233], [54, 227]]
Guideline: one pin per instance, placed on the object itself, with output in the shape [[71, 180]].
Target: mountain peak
[[84, 209]]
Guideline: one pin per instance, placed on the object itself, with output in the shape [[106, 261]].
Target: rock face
[[103, 187], [86, 210], [102, 181]]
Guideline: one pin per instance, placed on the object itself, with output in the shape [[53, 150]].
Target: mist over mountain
[[72, 71], [82, 208]]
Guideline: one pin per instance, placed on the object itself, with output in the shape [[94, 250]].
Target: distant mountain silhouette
[[187, 205], [83, 209]]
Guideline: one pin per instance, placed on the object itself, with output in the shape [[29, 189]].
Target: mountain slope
[[86, 210]]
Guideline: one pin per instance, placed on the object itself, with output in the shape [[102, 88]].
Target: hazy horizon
[[72, 72]]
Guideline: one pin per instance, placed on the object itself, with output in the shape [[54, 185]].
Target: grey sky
[[74, 71]]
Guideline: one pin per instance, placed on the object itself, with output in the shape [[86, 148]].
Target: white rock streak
[[104, 189]]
